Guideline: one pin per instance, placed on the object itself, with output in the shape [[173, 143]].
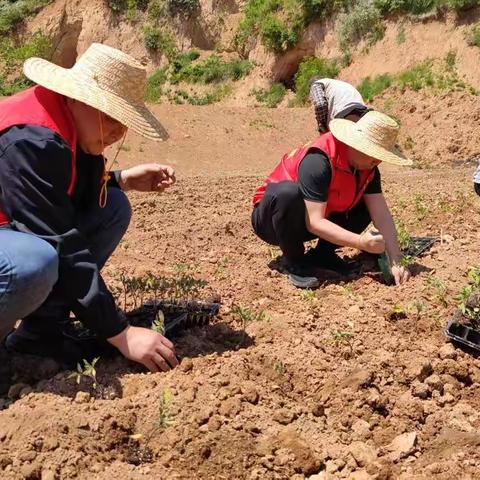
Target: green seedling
[[339, 337], [421, 208], [88, 371], [404, 238], [221, 267], [419, 306], [247, 316], [279, 367], [159, 323], [397, 312], [406, 261], [474, 278], [308, 295], [164, 418], [439, 288]]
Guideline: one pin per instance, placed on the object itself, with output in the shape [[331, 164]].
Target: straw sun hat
[[106, 79], [375, 135]]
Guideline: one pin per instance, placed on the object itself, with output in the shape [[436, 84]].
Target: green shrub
[[182, 7], [183, 60], [12, 57], [215, 95], [462, 4], [155, 39], [473, 36], [280, 22], [372, 87], [276, 35], [118, 6], [413, 7], [363, 21], [155, 83], [272, 96], [308, 69], [211, 70], [156, 10], [13, 12]]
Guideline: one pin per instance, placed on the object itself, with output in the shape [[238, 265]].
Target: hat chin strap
[[102, 199]]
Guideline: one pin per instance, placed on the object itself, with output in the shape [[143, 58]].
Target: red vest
[[44, 108], [343, 193]]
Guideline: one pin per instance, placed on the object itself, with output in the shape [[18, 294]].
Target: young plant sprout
[[88, 371]]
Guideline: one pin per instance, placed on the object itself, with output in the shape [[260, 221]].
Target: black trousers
[[279, 219]]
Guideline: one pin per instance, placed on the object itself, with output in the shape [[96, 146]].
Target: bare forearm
[[331, 232]]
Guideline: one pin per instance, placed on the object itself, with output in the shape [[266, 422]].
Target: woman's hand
[[148, 177]]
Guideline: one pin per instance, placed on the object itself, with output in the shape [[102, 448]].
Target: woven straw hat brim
[[86, 90], [346, 132]]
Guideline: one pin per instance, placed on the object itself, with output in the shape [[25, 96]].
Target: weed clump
[[14, 12], [272, 96]]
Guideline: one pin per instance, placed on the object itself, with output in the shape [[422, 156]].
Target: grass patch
[[210, 70], [216, 94], [13, 12], [372, 87], [438, 75], [12, 57], [272, 96], [155, 83], [308, 69]]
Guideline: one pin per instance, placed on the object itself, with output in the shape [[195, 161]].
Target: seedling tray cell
[[462, 334]]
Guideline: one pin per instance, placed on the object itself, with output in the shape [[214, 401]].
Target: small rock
[[434, 382], [402, 446], [447, 351], [354, 310], [50, 444], [30, 471], [14, 390], [358, 379], [283, 456], [284, 416], [419, 369], [361, 428], [230, 407], [203, 415], [318, 410], [82, 397], [362, 453], [4, 461], [319, 476], [186, 365], [28, 456], [48, 475], [250, 394], [420, 390], [214, 423]]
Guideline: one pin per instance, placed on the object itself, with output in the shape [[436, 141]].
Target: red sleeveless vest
[[44, 108], [343, 193]]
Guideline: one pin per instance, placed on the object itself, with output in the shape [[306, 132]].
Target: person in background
[[330, 190]]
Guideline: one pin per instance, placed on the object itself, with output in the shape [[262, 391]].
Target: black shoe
[[300, 276], [329, 260], [26, 343]]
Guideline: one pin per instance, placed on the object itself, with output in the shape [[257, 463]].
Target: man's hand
[[372, 243], [148, 177], [400, 274], [147, 347]]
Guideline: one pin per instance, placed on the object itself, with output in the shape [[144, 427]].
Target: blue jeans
[[29, 265]]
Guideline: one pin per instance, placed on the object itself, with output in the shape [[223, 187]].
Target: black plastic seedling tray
[[462, 334], [420, 245]]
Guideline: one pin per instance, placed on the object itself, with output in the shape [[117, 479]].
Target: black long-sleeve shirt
[[35, 174]]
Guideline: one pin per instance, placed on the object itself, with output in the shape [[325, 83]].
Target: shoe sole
[[303, 282]]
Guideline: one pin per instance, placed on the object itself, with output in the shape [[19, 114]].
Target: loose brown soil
[[327, 386]]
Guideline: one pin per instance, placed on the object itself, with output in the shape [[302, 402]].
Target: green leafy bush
[[279, 23], [13, 12], [155, 83], [157, 40], [413, 7], [418, 77], [363, 21], [308, 69], [272, 96], [211, 70], [372, 87]]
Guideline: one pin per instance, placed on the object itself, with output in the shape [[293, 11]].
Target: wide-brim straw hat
[[375, 135], [106, 79]]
